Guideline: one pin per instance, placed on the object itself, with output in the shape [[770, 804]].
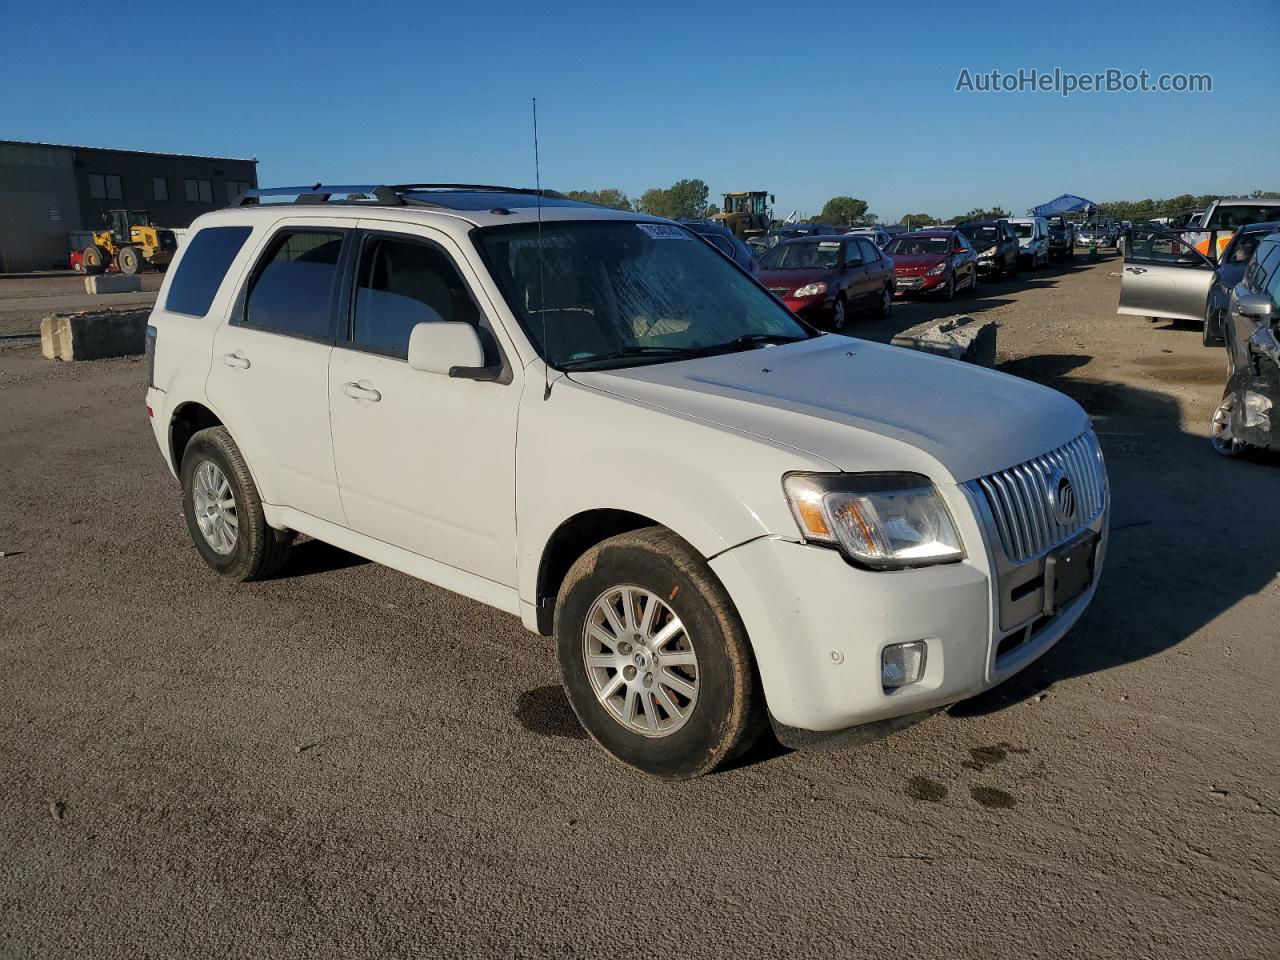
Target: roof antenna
[[542, 283]]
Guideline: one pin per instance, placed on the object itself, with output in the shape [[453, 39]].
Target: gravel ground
[[346, 762]]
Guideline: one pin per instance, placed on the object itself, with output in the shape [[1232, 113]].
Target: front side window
[[403, 283], [203, 265], [614, 293], [291, 290]]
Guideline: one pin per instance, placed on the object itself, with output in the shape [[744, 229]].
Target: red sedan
[[935, 262], [825, 279]]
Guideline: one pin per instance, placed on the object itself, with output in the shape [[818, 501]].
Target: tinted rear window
[[292, 288], [204, 263]]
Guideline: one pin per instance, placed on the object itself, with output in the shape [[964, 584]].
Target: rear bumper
[[160, 416]]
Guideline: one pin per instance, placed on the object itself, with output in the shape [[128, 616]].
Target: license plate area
[[1068, 571]]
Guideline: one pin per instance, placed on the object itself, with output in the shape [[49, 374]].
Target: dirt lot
[[346, 762]]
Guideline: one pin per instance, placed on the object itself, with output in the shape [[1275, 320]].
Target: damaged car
[[1246, 417]]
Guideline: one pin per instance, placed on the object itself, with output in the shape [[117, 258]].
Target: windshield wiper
[[754, 339], [635, 351]]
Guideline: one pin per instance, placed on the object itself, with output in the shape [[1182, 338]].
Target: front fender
[[581, 449]]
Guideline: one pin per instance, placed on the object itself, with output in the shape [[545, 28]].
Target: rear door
[[853, 275], [270, 375], [1164, 275], [874, 274]]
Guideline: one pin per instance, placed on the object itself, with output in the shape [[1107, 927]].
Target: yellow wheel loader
[[747, 213], [131, 242]]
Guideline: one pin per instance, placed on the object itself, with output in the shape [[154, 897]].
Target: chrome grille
[[780, 292], [1022, 502]]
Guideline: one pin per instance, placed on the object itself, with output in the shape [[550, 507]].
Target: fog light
[[902, 664]]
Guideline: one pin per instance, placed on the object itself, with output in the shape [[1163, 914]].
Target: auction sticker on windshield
[[664, 231]]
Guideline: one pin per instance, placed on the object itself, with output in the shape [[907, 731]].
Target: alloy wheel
[[214, 504], [1221, 434], [640, 661]]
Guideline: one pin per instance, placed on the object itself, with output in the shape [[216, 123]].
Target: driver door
[[1164, 275]]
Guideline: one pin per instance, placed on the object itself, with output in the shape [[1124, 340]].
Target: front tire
[[224, 511], [654, 658], [839, 313], [1221, 432]]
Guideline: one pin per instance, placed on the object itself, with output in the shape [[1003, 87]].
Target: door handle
[[1135, 269], [357, 392], [237, 360]]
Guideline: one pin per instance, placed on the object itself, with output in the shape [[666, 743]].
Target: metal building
[[50, 194]]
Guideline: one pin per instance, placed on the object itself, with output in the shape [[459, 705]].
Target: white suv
[[595, 422]]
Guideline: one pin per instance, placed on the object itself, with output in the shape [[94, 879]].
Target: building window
[[235, 188], [105, 186], [160, 187], [199, 191]]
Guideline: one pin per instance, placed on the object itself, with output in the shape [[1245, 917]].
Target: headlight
[[989, 252], [940, 268], [883, 520], [812, 290]]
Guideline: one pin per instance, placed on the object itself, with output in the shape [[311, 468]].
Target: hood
[[908, 265], [826, 395], [792, 279]]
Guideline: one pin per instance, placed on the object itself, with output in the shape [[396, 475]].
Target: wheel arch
[[189, 418], [574, 537]]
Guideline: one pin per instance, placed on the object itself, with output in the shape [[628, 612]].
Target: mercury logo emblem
[[1062, 496]]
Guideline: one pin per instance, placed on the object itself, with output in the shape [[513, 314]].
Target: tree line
[[690, 200]]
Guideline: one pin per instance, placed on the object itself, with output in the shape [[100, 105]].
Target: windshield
[[982, 236], [614, 293], [919, 246], [1239, 215], [823, 255], [1025, 230]]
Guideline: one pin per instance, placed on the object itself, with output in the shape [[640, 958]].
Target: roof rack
[[374, 194]]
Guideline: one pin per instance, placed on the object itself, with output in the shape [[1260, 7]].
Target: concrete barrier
[[112, 283], [93, 336], [961, 338]]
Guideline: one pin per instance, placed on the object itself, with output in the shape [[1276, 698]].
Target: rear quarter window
[[203, 265]]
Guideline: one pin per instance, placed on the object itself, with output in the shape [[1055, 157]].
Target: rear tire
[[674, 708], [224, 511], [129, 260], [885, 306]]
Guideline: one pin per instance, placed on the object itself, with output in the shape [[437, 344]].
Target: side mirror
[[445, 348], [1255, 305]]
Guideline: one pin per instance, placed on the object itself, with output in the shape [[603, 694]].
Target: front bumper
[[818, 626], [810, 308], [919, 283]]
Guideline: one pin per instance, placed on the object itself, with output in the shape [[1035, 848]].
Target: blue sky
[[807, 100]]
